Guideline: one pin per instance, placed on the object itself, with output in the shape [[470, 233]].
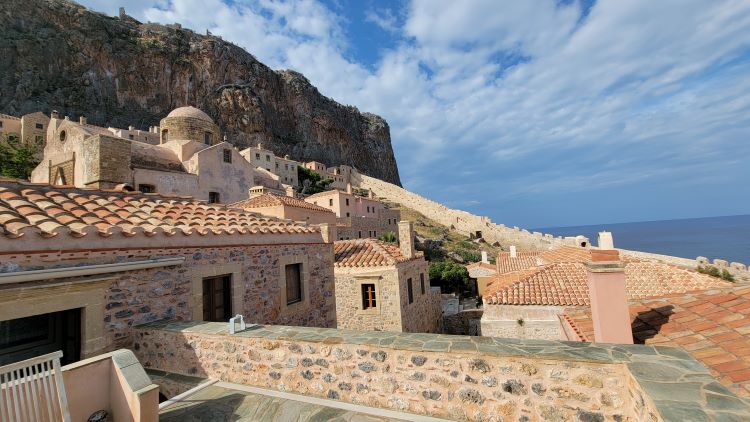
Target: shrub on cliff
[[311, 181]]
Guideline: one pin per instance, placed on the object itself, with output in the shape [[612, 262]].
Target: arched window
[[62, 136]]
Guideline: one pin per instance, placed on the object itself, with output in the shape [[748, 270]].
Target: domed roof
[[190, 111]]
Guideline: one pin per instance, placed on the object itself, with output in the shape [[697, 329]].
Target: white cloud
[[527, 93]]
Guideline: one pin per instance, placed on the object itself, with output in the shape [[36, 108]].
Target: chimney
[[82, 120], [406, 238], [328, 232], [290, 191], [260, 146], [131, 127], [286, 156], [484, 258], [370, 194], [349, 188], [605, 241], [67, 118], [609, 298], [54, 114], [513, 251]]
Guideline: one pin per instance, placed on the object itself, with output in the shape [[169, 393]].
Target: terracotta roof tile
[[367, 253], [270, 200], [560, 278], [718, 339], [50, 210]]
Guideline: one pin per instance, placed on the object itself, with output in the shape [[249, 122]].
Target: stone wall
[[349, 313], [424, 314], [462, 221], [455, 377], [737, 269], [522, 321], [188, 128], [105, 161], [463, 323], [115, 303]]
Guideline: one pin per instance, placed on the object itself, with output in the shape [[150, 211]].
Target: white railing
[[33, 390]]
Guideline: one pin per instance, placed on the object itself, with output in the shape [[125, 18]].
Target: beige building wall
[[231, 180], [34, 128], [424, 314], [522, 321], [113, 303], [9, 126], [168, 183]]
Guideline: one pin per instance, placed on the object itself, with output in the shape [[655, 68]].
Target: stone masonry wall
[[462, 221], [453, 377], [522, 321], [138, 297], [424, 314], [387, 317], [461, 323]]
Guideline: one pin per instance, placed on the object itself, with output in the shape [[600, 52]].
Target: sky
[[536, 113]]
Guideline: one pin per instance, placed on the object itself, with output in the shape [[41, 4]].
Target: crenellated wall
[[465, 222]]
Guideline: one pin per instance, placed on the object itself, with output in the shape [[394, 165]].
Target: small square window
[[369, 299], [330, 202], [39, 126], [410, 290], [293, 283], [227, 155], [131, 137], [146, 188], [347, 214], [257, 156], [277, 166], [213, 197], [268, 157]]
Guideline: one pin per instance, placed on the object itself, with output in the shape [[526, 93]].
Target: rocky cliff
[[117, 71]]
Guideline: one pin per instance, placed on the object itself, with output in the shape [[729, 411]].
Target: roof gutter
[[54, 273]]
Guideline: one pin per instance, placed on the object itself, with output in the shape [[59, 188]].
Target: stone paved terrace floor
[[224, 401]]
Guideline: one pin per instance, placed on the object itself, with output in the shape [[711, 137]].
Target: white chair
[[33, 390]]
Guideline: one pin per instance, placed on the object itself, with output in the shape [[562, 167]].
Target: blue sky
[[536, 113]]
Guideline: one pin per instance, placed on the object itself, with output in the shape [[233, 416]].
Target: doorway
[[25, 338], [217, 298]]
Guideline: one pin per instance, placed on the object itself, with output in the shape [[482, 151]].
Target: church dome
[[190, 111]]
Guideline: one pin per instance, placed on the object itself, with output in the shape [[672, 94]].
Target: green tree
[[450, 276], [16, 158], [311, 181]]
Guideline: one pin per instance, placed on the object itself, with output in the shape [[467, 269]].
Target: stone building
[[285, 168], [287, 207], [189, 160], [357, 217], [384, 287], [340, 176], [532, 290], [30, 128], [91, 264]]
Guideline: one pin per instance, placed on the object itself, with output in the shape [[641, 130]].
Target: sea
[[713, 237]]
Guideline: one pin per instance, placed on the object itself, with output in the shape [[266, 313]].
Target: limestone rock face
[[55, 54]]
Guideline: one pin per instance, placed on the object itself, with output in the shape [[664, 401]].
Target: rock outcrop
[[117, 71]]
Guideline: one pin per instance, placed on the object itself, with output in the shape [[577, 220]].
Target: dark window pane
[[409, 288], [293, 284], [368, 296]]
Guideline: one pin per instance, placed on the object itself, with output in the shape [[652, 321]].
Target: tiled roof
[[714, 326], [28, 209], [270, 200], [565, 283], [367, 253], [523, 260]]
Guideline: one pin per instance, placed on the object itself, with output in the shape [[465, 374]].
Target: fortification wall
[[462, 221], [737, 269]]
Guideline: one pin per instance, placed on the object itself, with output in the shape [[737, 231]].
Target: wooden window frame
[[288, 309], [374, 280]]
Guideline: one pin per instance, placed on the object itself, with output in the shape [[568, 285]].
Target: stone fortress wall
[[464, 222]]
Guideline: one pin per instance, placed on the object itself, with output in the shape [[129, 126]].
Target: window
[[217, 298], [1, 124], [227, 155], [268, 157], [347, 214], [257, 156], [62, 136], [165, 135], [286, 166], [146, 188], [421, 281], [213, 197], [39, 126], [330, 202], [293, 283], [347, 202], [410, 290], [39, 139], [277, 166], [24, 338], [207, 138], [359, 234], [369, 301], [130, 137]]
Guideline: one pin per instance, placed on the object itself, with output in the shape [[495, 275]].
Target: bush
[[389, 237], [311, 181], [726, 275], [709, 270], [16, 159], [469, 256], [450, 276]]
